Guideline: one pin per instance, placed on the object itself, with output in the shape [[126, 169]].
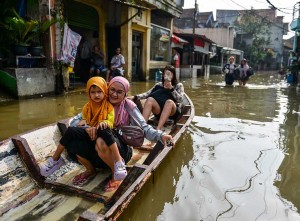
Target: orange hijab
[[94, 112]]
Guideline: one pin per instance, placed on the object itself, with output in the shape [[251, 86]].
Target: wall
[[143, 24], [221, 36], [34, 81]]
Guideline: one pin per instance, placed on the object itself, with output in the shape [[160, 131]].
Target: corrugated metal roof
[[189, 35]]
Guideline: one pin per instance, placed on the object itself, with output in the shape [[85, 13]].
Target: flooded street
[[238, 161]]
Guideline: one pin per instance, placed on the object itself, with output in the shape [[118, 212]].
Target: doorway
[[137, 46], [113, 36]]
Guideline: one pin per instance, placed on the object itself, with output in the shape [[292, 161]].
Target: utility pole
[[193, 45]]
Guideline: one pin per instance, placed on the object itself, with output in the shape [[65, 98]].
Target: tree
[[254, 36]]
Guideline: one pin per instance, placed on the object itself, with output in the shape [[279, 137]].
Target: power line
[[273, 23], [279, 9], [273, 6]]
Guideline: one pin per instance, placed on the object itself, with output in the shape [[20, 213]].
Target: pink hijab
[[121, 114]]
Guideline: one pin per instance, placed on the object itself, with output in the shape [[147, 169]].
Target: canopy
[[178, 40]]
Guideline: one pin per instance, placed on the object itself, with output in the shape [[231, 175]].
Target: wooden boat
[[26, 195]]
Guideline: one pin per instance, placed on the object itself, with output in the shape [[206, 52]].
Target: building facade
[[225, 32], [277, 29], [142, 30], [220, 37]]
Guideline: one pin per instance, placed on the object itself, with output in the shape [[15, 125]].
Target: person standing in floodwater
[[243, 68], [229, 70]]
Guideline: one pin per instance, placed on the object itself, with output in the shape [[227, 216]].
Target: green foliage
[[22, 31], [5, 11], [256, 28], [295, 67]]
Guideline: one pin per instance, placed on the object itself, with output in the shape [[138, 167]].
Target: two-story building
[[142, 30]]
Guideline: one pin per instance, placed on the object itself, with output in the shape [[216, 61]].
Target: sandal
[[82, 179], [112, 185]]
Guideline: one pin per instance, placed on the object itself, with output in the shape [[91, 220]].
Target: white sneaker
[[50, 166], [120, 170]]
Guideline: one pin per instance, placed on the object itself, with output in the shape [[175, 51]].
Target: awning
[[227, 50], [129, 4], [178, 40]]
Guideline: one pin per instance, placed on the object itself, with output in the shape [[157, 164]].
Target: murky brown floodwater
[[238, 161]]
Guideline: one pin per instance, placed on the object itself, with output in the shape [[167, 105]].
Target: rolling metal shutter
[[81, 15]]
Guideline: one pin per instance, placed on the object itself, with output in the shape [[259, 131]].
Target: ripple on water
[[237, 183]]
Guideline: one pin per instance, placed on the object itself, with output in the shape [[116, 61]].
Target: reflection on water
[[239, 160], [237, 183], [20, 116]]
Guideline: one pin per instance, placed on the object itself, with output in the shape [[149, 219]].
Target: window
[[160, 44]]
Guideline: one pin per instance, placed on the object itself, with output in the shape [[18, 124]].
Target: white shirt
[[117, 60]]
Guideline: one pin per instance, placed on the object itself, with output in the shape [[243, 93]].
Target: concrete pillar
[[207, 72], [177, 73], [195, 84], [222, 61], [194, 72]]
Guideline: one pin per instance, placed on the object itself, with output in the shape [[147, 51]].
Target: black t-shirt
[[161, 95]]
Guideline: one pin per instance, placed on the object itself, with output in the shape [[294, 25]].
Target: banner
[[69, 48]]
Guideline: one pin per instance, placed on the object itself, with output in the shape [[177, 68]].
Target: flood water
[[238, 160]]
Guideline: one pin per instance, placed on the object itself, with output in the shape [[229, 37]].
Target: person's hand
[[167, 139], [81, 123], [131, 98], [92, 132], [102, 125]]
